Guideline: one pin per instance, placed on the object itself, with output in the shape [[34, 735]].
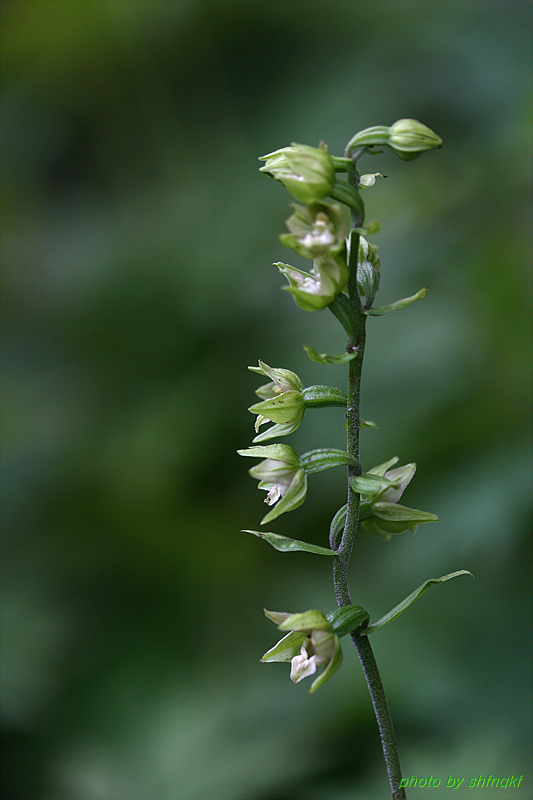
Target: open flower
[[283, 402], [310, 643], [281, 475], [380, 490], [316, 290], [315, 230], [307, 172]]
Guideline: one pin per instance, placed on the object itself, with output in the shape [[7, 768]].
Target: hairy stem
[[382, 712], [356, 341]]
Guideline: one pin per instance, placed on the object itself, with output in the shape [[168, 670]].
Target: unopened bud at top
[[407, 137], [307, 172]]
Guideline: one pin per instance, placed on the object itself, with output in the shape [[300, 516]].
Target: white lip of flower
[[274, 494], [302, 666], [308, 285], [322, 238]]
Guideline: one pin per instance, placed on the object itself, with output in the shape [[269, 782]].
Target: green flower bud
[[307, 172], [311, 643], [281, 475], [315, 291], [316, 230], [409, 138], [368, 270], [368, 253]]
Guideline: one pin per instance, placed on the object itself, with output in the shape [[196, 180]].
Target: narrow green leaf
[[286, 545], [400, 608], [312, 620], [324, 358], [397, 306], [365, 423]]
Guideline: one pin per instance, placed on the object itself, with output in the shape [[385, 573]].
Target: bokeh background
[[137, 243]]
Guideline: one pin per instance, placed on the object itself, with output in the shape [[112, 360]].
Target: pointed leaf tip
[[397, 306], [410, 599], [286, 545]]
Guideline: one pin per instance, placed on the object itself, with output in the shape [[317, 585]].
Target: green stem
[[382, 712], [357, 335]]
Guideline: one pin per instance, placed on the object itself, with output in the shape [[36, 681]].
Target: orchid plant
[[345, 278]]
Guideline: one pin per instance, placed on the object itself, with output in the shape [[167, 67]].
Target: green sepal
[[397, 519], [324, 358], [276, 430], [286, 545], [282, 379], [324, 458], [283, 408], [400, 608], [278, 452], [286, 648], [397, 306], [381, 469], [367, 483], [331, 667], [346, 619], [313, 620], [324, 397], [292, 499], [277, 617]]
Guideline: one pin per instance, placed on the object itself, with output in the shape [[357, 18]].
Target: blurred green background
[[137, 242]]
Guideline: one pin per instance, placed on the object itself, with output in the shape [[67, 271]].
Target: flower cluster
[[316, 230]]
